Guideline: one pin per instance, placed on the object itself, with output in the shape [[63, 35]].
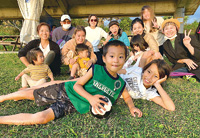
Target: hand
[[72, 61], [76, 58], [158, 82], [190, 63], [107, 39], [148, 54], [89, 63], [17, 78], [187, 39], [95, 103], [155, 24], [134, 110]]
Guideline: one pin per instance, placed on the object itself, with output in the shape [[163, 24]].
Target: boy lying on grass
[[67, 97]]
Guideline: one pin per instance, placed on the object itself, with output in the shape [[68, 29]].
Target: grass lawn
[[156, 121]]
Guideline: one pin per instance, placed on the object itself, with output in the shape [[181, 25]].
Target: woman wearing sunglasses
[[94, 35]]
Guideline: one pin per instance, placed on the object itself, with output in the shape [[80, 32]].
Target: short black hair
[[114, 43], [81, 47], [32, 55]]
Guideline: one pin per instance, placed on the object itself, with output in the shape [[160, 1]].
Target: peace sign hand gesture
[[155, 24], [187, 39]]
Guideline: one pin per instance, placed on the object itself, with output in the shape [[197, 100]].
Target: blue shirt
[[123, 38]]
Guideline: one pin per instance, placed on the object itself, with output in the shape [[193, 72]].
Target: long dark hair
[[163, 67], [139, 41]]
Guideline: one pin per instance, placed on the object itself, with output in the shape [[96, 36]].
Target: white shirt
[[45, 50], [94, 36], [134, 84]]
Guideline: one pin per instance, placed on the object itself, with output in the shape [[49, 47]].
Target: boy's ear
[[103, 58]]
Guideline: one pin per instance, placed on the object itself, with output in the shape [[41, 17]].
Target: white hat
[[65, 16]]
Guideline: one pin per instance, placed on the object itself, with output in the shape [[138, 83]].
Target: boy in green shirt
[[66, 97]]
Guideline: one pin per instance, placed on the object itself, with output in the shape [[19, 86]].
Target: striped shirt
[[38, 72]]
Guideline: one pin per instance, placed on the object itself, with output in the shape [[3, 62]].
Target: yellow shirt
[[38, 72], [82, 62]]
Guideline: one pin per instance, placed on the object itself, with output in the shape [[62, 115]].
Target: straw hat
[[171, 20]]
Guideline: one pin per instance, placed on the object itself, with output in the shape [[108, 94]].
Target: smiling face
[[44, 32], [169, 30], [137, 29], [150, 75], [93, 22], [80, 37], [114, 59], [114, 29], [146, 15]]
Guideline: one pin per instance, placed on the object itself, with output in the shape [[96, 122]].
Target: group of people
[[105, 72]]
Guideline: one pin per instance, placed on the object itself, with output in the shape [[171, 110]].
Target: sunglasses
[[66, 21], [93, 20]]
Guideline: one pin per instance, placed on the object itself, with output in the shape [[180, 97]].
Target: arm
[[22, 52], [109, 36], [186, 42], [163, 100], [128, 100], [51, 76], [66, 48], [19, 75], [24, 61], [151, 42], [190, 63], [92, 99], [93, 57]]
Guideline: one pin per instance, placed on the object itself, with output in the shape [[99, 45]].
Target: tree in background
[[82, 22], [125, 23]]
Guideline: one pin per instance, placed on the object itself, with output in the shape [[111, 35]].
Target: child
[[182, 50], [144, 83], [77, 95], [80, 67], [138, 46], [37, 69], [116, 33]]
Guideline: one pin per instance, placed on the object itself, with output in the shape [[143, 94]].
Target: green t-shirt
[[101, 83]]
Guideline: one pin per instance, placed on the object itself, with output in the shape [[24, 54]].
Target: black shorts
[[57, 97]]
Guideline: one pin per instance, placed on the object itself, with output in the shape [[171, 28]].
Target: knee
[[41, 118], [24, 76]]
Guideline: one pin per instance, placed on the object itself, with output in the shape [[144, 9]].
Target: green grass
[[156, 121]]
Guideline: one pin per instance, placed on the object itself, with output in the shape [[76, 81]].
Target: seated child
[[143, 81], [37, 69], [71, 96], [80, 68], [138, 46]]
